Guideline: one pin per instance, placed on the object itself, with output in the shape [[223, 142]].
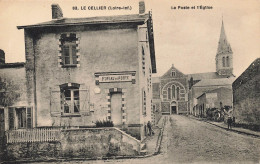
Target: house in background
[[216, 98], [82, 70], [15, 113], [246, 95]]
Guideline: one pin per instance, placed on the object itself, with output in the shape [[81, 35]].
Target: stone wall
[[77, 143], [246, 102]]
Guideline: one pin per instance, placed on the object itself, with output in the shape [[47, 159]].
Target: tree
[[9, 92]]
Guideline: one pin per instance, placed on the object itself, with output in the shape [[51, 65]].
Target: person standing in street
[[149, 126], [229, 121]]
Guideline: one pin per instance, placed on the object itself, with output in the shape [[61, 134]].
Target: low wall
[[77, 143]]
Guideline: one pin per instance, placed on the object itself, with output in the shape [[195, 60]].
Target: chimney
[[2, 57], [56, 11], [141, 7]]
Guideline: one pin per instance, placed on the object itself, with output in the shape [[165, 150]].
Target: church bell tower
[[224, 57]]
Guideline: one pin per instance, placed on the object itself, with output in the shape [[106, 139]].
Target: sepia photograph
[[120, 81]]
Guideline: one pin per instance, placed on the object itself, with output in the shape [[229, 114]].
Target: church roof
[[221, 89], [223, 45], [206, 75], [214, 82], [179, 74]]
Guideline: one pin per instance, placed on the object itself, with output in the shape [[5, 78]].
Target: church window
[[227, 61], [169, 93], [223, 62], [173, 73], [178, 93], [173, 91]]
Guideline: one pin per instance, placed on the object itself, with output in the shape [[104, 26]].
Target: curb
[[233, 130]]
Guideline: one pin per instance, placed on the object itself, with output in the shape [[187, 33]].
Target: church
[[177, 93]]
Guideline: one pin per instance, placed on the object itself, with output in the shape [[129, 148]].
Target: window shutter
[[55, 103], [11, 118], [84, 101], [29, 118]]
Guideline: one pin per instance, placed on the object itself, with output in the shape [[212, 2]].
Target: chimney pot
[[141, 7], [56, 11]]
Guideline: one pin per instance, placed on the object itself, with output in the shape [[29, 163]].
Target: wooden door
[[116, 105]]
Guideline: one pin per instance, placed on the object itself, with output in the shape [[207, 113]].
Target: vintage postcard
[[120, 81]]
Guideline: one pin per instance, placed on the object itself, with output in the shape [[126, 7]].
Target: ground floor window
[[20, 117], [70, 102]]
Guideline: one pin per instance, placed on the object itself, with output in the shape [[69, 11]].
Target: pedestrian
[[149, 126], [229, 121]]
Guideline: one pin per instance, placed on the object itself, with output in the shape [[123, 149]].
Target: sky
[[187, 38]]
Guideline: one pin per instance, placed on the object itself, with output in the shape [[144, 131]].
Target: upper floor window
[[69, 49], [143, 60], [70, 99]]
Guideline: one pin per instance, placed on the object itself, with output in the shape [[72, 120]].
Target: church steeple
[[223, 45], [224, 57]]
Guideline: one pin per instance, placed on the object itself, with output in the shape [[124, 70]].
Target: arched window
[[227, 61], [178, 93], [223, 62], [169, 93], [173, 91]]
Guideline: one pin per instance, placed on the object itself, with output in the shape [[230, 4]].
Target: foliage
[[9, 92], [104, 123]]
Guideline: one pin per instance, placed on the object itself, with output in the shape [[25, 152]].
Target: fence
[[33, 135]]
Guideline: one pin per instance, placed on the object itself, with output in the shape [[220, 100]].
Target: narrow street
[[186, 140]]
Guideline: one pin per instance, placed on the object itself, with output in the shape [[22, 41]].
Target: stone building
[[13, 101], [246, 95], [170, 92], [216, 98], [176, 92], [223, 77], [83, 70]]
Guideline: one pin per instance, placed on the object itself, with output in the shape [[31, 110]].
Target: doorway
[[116, 105], [173, 108]]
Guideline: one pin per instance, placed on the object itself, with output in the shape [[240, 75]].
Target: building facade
[[246, 95], [177, 92], [83, 70], [216, 98]]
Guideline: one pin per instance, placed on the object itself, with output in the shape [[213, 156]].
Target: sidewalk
[[224, 126], [153, 142]]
